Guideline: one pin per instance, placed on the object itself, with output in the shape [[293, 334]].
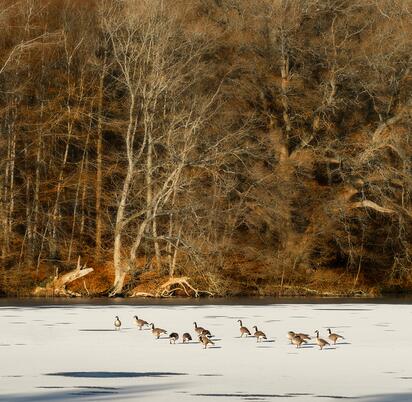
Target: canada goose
[[117, 323], [258, 334], [205, 340], [321, 342], [140, 323], [186, 337], [291, 334], [334, 337], [198, 329], [157, 331], [303, 336], [243, 330], [173, 337], [297, 340], [206, 332]]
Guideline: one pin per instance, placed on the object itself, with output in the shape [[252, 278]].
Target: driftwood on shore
[[57, 285], [169, 288]]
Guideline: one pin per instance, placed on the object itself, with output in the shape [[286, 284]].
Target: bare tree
[[156, 66]]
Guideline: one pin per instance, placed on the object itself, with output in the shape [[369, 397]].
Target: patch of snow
[[66, 353]]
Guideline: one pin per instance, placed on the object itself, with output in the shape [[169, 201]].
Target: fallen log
[[172, 285], [57, 286], [142, 294], [372, 205], [182, 283]]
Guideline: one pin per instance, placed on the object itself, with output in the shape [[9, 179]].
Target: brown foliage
[[257, 147]]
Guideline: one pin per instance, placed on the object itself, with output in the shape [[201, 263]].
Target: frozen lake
[[71, 352]]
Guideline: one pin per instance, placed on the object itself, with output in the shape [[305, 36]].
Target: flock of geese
[[204, 335]]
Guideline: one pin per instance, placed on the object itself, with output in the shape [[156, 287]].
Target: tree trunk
[[284, 70], [76, 200], [119, 268], [99, 152]]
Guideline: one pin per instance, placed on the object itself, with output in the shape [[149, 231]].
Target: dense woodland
[[223, 147]]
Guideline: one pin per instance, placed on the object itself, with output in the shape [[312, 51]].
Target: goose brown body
[[297, 340], [139, 322], [206, 332], [303, 336], [243, 330], [205, 340], [157, 331], [334, 337], [173, 337], [186, 337], [198, 330], [259, 334], [320, 342]]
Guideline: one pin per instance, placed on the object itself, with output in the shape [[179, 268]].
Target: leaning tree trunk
[[120, 269]]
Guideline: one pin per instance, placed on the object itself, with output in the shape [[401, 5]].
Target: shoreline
[[204, 301]]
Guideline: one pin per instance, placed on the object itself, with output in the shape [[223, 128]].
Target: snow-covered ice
[[72, 352]]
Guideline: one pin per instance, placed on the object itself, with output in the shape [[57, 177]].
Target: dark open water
[[234, 301]]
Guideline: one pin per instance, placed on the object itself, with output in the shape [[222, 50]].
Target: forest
[[205, 147]]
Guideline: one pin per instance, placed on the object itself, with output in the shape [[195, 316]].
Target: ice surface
[[73, 353]]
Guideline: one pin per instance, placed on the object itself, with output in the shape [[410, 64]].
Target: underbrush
[[237, 278]]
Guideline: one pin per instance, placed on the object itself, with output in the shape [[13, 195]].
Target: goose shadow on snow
[[68, 394], [114, 374]]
